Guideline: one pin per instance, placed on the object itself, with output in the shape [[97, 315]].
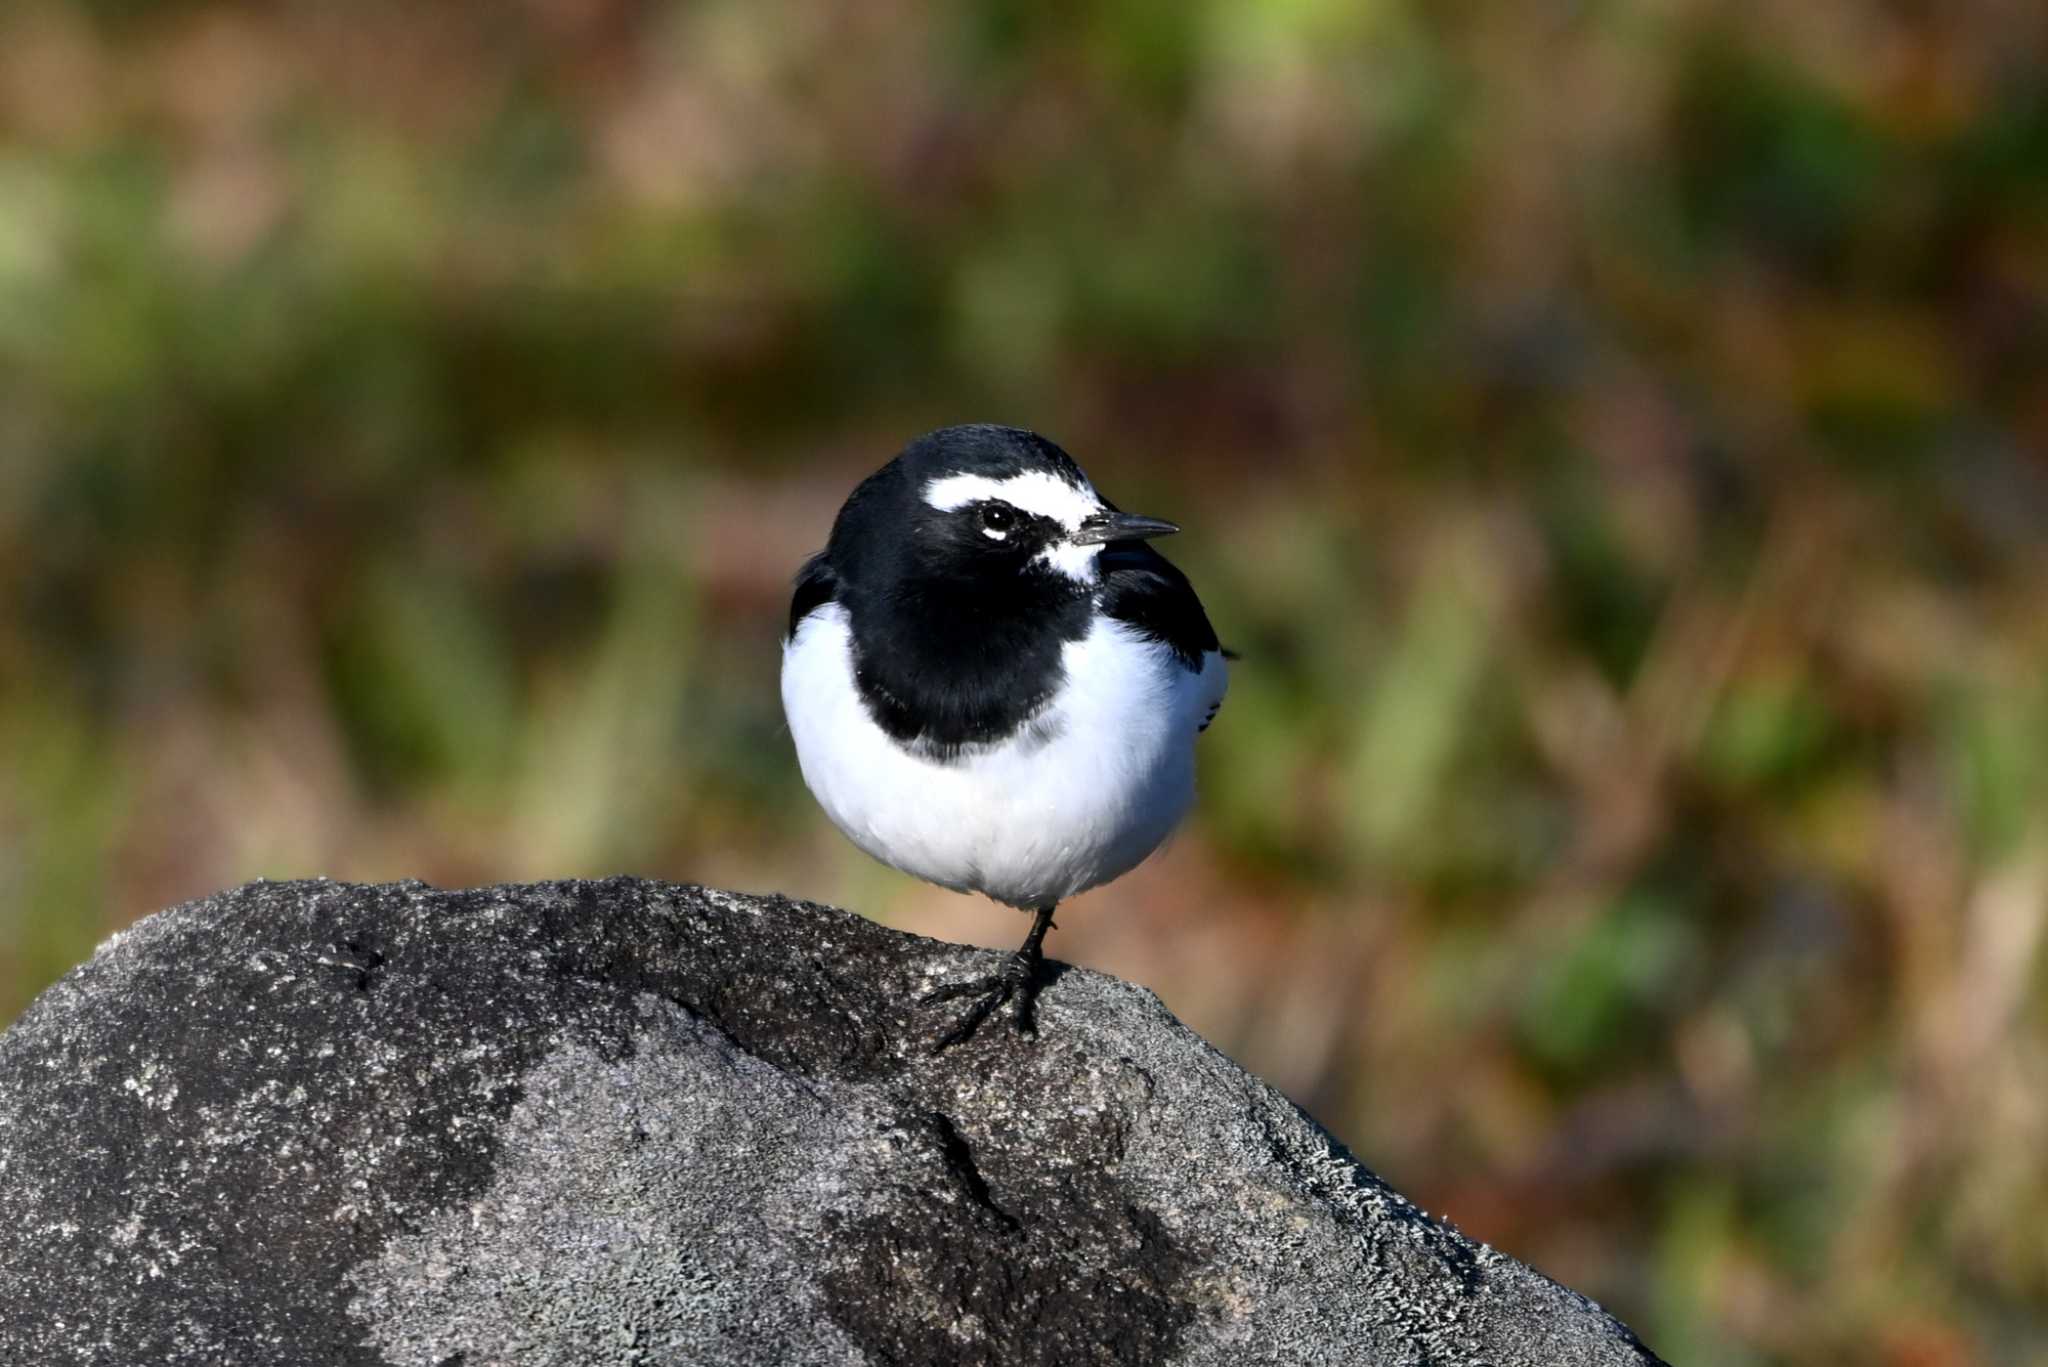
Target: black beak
[[1120, 527]]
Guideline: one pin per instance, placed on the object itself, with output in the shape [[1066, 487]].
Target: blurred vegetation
[[1615, 433]]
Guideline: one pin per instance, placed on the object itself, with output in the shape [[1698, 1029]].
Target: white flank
[[1085, 791]]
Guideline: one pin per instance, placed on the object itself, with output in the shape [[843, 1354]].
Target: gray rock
[[629, 1122]]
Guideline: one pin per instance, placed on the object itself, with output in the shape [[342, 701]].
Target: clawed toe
[[984, 1007], [953, 992], [1017, 982]]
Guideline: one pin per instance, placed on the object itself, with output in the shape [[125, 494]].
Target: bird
[[994, 683]]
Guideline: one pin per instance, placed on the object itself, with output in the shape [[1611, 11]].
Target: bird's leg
[[1018, 980]]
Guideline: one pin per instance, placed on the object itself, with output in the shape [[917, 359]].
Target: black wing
[[1142, 589], [816, 585]]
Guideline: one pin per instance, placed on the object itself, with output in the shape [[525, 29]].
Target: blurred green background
[[1615, 434]]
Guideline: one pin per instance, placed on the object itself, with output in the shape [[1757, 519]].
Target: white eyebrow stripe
[[1034, 491]]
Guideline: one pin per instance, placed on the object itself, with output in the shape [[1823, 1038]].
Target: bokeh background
[[1615, 433]]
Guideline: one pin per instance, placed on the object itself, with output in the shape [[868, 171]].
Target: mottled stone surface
[[631, 1122]]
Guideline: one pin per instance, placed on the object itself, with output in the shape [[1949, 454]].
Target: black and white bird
[[995, 684]]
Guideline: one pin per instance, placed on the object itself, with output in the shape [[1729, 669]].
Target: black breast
[[941, 666], [1147, 592]]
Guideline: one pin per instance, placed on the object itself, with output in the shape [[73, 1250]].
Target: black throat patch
[[942, 667], [958, 624]]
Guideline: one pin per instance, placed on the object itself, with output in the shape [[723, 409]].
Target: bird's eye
[[997, 518]]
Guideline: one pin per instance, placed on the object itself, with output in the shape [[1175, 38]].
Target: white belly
[[1079, 797]]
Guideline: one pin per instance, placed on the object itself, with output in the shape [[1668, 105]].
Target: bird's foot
[[1018, 982]]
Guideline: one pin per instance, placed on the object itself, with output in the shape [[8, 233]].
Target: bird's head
[[987, 503]]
